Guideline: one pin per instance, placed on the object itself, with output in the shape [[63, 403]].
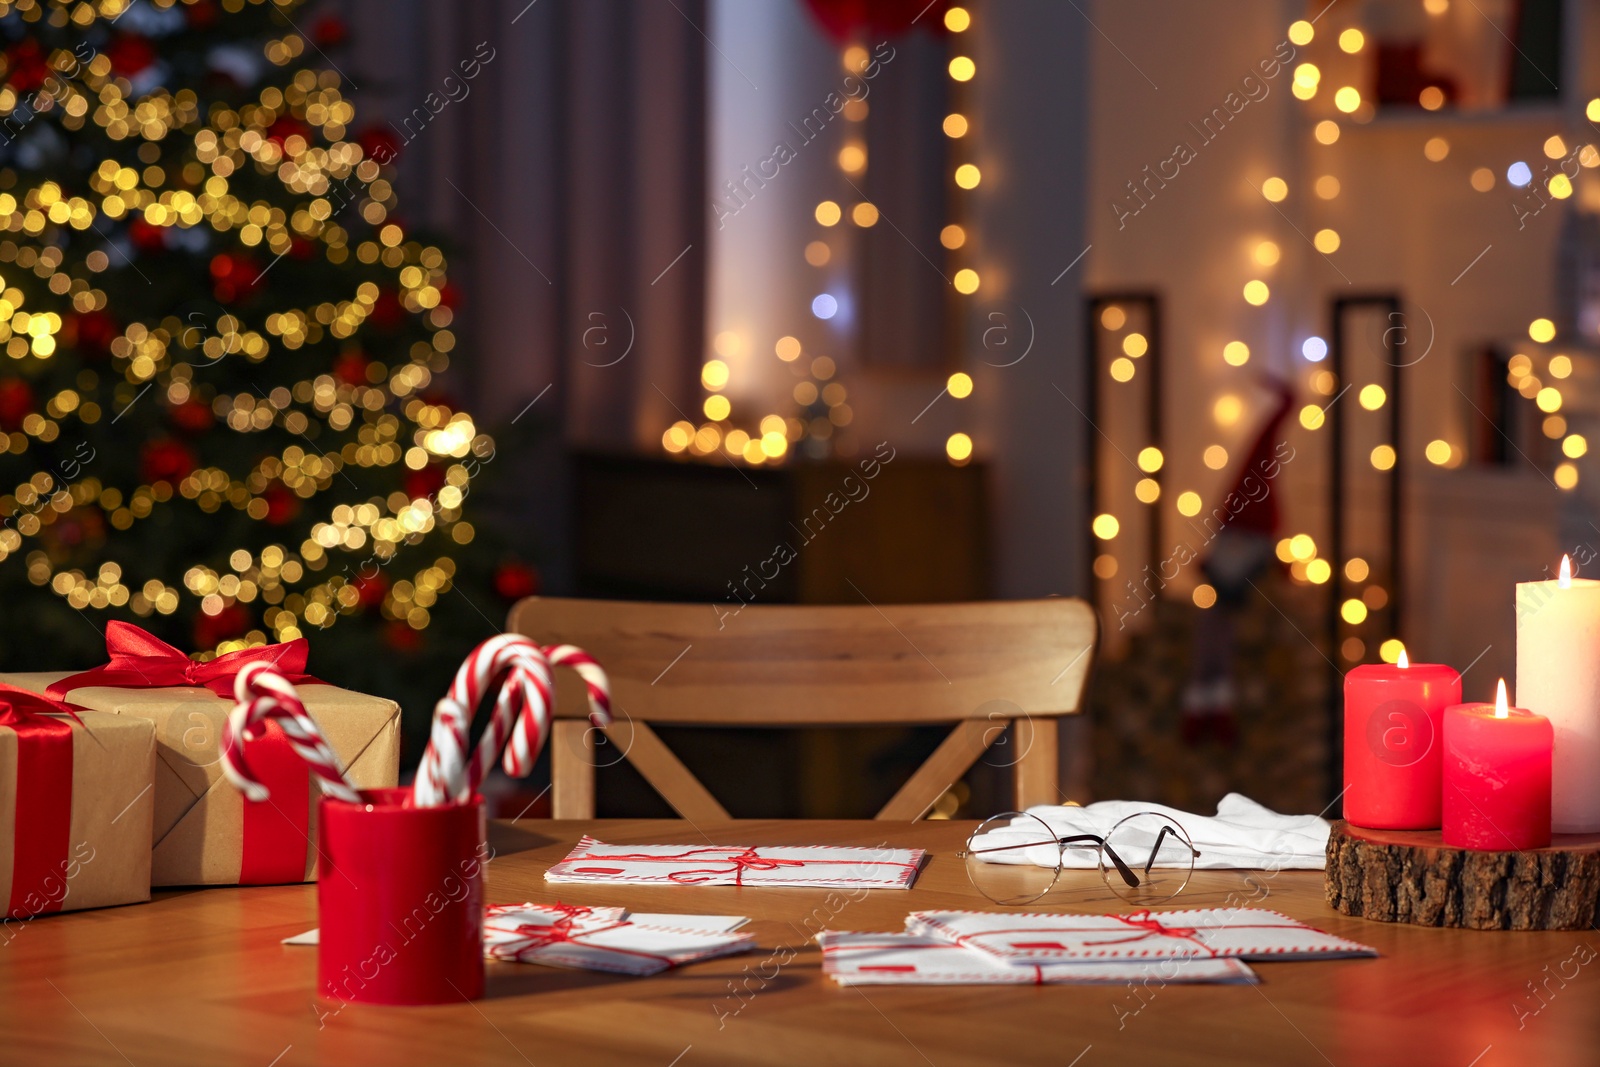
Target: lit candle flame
[[1501, 705], [1404, 660], [1565, 581]]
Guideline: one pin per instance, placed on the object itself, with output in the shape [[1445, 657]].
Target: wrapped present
[[205, 831], [75, 808]]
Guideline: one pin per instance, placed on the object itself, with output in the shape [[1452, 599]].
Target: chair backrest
[[978, 665]]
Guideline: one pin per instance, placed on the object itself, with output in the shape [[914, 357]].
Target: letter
[[833, 102], [788, 958], [785, 154], [722, 1016], [469, 68], [485, 58], [776, 967], [1269, 68], [1161, 168], [1234, 503], [383, 954], [1282, 447], [879, 451], [722, 213], [733, 192], [849, 80], [1133, 191], [1549, 978], [405, 930], [361, 968], [831, 498], [761, 569], [1561, 969], [1123, 1015], [455, 888], [1122, 214], [1284, 46], [1252, 484], [470, 868], [748, 177], [884, 46], [1149, 177], [1217, 518], [322, 1016], [723, 616], [79, 850], [1581, 950], [1248, 81], [761, 168], [871, 473], [465, 89], [807, 523], [1220, 117], [784, 554], [747, 568], [1270, 468], [821, 118], [80, 56], [434, 902], [1161, 569], [1184, 154], [1184, 553], [1234, 103], [845, 485], [1522, 1014]]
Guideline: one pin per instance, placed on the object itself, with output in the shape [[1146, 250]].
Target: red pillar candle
[[1496, 776], [1392, 719]]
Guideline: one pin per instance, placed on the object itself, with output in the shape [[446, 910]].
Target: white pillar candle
[[1558, 676]]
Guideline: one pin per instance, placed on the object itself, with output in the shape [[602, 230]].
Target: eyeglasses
[[1015, 858]]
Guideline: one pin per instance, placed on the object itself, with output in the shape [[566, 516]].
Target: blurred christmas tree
[[219, 407]]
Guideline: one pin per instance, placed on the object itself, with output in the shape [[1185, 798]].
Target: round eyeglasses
[[1014, 858]]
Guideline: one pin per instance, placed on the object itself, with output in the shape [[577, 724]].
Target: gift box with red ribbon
[[75, 808], [204, 830]]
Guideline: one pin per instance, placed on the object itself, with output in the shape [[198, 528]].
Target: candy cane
[[262, 692], [593, 675], [521, 708]]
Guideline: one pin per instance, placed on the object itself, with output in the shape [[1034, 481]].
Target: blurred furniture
[[663, 529], [981, 667]]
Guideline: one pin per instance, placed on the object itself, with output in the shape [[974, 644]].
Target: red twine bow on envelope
[[276, 832], [535, 936], [141, 660], [742, 859], [42, 837], [1153, 927]]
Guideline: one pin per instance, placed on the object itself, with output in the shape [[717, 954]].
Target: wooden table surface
[[199, 977]]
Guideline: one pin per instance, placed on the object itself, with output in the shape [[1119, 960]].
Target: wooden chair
[[979, 665]]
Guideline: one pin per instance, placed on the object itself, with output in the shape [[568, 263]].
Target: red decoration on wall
[[844, 19], [282, 505], [130, 54], [166, 460], [514, 580], [26, 69]]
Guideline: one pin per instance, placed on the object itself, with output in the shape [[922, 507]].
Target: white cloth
[[1242, 835]]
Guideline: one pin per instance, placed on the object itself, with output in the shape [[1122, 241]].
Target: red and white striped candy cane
[[262, 692], [593, 675], [447, 773]]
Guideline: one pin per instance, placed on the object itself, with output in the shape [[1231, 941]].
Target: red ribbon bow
[[141, 660], [534, 936], [748, 860], [1152, 927]]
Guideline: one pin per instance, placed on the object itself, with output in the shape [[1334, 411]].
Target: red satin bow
[[20, 706], [141, 660]]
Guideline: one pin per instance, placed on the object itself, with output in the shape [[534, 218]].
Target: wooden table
[[198, 977]]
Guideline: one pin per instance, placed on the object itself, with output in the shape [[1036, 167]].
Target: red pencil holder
[[400, 897]]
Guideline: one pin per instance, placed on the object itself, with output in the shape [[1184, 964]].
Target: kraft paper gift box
[[75, 809], [204, 831]]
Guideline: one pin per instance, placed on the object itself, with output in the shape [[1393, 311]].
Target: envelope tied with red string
[[204, 831], [815, 866], [75, 808]]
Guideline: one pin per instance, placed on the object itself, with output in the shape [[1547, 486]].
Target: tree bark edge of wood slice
[[1412, 876]]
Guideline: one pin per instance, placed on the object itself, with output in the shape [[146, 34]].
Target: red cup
[[400, 895]]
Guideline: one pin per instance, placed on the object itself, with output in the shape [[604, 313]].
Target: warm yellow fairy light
[[717, 407], [787, 349], [966, 281], [1312, 417], [1353, 612], [1256, 292], [1267, 253], [1327, 187], [714, 375], [1302, 547], [1105, 526], [864, 215], [1318, 571], [1147, 490], [1347, 99], [1189, 504], [1560, 366], [1542, 330], [1204, 596], [1436, 149], [1327, 131], [1351, 40], [1383, 457], [955, 125], [1215, 457], [1122, 369], [1227, 410], [1566, 476], [1113, 317], [959, 385], [962, 68], [1372, 397], [1326, 241], [952, 236], [1574, 446], [1301, 32], [1554, 146], [1150, 459], [1548, 399], [1236, 353], [957, 19], [1275, 189], [1135, 345], [968, 176], [1439, 452], [1431, 98], [853, 158], [1560, 186]]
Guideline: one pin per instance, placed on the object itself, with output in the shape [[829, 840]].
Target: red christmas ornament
[[514, 580], [95, 330], [378, 143], [129, 54], [282, 505], [300, 248], [286, 127], [147, 237], [235, 276], [26, 69], [370, 589], [165, 460], [425, 482], [330, 31], [844, 19], [351, 368], [402, 638], [387, 311], [16, 403], [191, 416], [211, 630]]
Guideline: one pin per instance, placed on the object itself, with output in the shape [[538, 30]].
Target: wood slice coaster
[[1412, 876]]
